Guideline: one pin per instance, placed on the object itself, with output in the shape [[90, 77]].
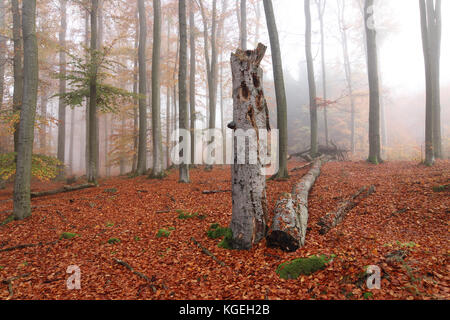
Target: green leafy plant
[[43, 167]]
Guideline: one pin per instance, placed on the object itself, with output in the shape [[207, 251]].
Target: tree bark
[[62, 88], [311, 82], [288, 230], [135, 100], [43, 129], [3, 60], [348, 72], [280, 91], [374, 88], [93, 124], [244, 25], [17, 66], [192, 75], [157, 171], [321, 5], [249, 219], [142, 149], [22, 202], [182, 77]]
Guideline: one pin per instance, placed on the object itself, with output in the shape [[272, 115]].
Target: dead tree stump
[[250, 114], [288, 230]]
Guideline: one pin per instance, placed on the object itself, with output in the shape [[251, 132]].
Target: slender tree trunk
[[17, 66], [71, 141], [250, 213], [157, 171], [280, 91], [321, 5], [62, 88], [311, 82], [168, 106], [244, 25], [3, 59], [104, 117], [142, 151], [135, 100], [192, 72], [348, 72], [429, 117], [184, 117], [43, 131], [87, 134], [22, 201], [258, 22], [374, 112], [93, 124]]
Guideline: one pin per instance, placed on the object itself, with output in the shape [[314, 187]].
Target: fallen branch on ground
[[139, 274], [332, 219], [288, 230], [23, 246], [215, 191], [302, 167], [9, 281], [62, 190], [207, 252]]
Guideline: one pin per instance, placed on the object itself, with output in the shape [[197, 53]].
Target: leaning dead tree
[[250, 115], [288, 230]]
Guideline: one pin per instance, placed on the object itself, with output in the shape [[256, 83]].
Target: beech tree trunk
[[157, 171], [93, 124], [321, 5], [311, 82], [244, 25], [142, 148], [135, 99], [17, 66], [192, 71], [280, 91], [62, 88], [22, 183], [249, 220], [182, 78], [3, 61], [288, 230], [374, 88]]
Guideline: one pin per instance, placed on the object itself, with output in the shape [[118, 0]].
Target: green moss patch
[[68, 235], [216, 232], [8, 219], [163, 233], [114, 241], [302, 266], [441, 188]]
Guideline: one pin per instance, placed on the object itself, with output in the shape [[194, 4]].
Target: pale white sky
[[401, 52]]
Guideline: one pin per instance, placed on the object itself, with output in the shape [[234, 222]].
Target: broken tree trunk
[[62, 190], [332, 219], [288, 231], [250, 115]]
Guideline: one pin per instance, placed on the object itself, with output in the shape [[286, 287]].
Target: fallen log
[[288, 230], [332, 219], [62, 190], [301, 167]]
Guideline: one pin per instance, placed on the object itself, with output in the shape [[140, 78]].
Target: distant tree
[[142, 149], [243, 35], [17, 66], [157, 171], [280, 91], [192, 75], [62, 85], [22, 200], [374, 87], [312, 83], [321, 5], [184, 117]]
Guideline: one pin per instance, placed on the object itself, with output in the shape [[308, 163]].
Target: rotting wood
[[332, 219], [290, 222]]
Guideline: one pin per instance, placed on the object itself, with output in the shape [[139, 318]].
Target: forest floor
[[405, 213]]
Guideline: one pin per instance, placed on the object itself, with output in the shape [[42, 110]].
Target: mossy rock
[[302, 266], [68, 235], [114, 241]]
